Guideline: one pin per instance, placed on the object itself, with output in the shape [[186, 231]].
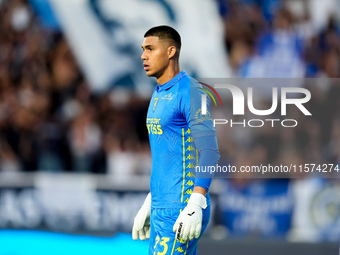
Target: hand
[[189, 223], [141, 225]]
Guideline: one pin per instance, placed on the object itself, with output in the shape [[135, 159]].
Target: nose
[[143, 57]]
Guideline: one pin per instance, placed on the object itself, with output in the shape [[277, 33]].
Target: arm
[[208, 156], [189, 223]]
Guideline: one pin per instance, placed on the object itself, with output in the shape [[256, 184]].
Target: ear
[[171, 51]]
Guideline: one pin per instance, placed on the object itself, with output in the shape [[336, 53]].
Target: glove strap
[[198, 199]]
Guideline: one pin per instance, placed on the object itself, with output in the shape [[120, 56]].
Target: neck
[[170, 72]]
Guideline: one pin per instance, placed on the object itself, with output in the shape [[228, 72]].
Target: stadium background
[[74, 154]]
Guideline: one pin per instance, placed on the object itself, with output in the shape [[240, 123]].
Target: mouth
[[146, 67]]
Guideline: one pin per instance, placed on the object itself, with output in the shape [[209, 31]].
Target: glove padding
[[189, 223], [141, 225]]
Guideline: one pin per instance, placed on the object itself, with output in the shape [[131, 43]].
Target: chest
[[163, 113]]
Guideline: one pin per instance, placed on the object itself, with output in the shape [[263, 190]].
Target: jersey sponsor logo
[[168, 96], [155, 103], [153, 126], [152, 121], [154, 129]]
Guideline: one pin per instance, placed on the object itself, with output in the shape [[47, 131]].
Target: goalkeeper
[[176, 211]]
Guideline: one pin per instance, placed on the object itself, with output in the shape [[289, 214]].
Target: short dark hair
[[165, 33]]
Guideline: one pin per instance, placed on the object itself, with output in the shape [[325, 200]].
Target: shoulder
[[189, 86]]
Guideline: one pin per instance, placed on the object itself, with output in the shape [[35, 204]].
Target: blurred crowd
[[283, 41], [282, 30], [49, 118], [51, 121]]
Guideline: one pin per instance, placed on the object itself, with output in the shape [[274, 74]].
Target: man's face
[[155, 56]]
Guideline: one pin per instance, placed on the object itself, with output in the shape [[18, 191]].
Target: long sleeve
[[203, 133]]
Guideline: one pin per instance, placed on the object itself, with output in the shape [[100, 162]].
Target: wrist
[[201, 190], [198, 199]]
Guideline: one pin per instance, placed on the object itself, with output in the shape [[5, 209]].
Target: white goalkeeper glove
[[189, 223], [141, 225]]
